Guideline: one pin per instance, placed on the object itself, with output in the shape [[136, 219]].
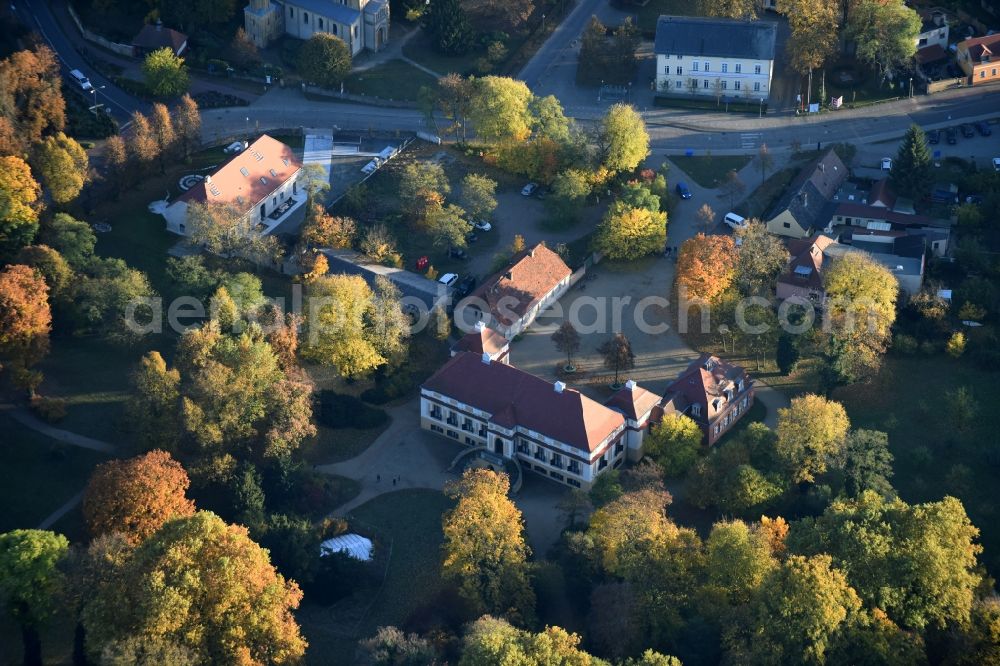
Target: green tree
[[54, 269], [885, 33], [606, 488], [861, 296], [422, 186], [570, 188], [911, 170], [738, 559], [31, 582], [492, 641], [916, 562], [867, 463], [18, 210], [814, 32], [206, 586], [549, 121], [187, 125], [72, 238], [977, 643], [674, 443], [165, 73], [391, 647], [626, 233], [734, 9], [813, 601], [622, 140], [324, 60], [760, 257], [499, 109], [484, 547], [448, 225], [811, 433], [387, 324], [153, 407], [335, 325], [62, 165], [105, 300], [618, 355], [163, 130], [448, 27], [787, 354], [479, 195]]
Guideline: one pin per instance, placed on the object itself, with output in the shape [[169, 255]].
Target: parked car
[[448, 279], [996, 163], [967, 131], [950, 136], [682, 190], [458, 253], [541, 193], [471, 237], [734, 221], [482, 225], [886, 164], [465, 286], [984, 128], [529, 189], [80, 79], [934, 136]]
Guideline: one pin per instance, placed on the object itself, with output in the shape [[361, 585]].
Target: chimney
[[559, 387], [208, 180], [630, 385], [486, 358], [159, 25]]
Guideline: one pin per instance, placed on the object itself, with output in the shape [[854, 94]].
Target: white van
[[81, 80], [734, 221]]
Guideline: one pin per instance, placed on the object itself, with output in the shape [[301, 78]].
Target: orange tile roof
[[633, 401], [701, 385], [514, 397], [532, 275], [252, 175], [806, 253], [485, 340], [980, 46]]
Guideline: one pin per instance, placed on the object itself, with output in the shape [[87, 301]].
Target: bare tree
[[732, 187], [764, 160], [706, 216], [567, 340]]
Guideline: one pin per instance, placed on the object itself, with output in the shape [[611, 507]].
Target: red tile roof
[[252, 175], [153, 37], [515, 397], [931, 53], [532, 275], [633, 401], [881, 192], [484, 340], [980, 46], [806, 255], [701, 385]]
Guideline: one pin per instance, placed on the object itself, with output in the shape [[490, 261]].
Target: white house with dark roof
[[362, 24], [549, 428], [714, 57], [260, 182]]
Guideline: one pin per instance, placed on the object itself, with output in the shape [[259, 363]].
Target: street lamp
[[760, 114], [96, 106], [543, 22], [910, 87], [248, 128]]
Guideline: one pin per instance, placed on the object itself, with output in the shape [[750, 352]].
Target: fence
[[120, 49], [945, 84]]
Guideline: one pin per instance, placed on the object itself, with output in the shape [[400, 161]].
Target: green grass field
[[40, 474], [395, 79], [933, 458], [710, 170]]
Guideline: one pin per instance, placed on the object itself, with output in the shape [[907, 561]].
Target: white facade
[[741, 79], [360, 23], [535, 452]]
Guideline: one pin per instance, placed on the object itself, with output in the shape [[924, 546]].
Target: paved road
[[38, 15]]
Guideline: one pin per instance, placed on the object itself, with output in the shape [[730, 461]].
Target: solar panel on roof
[[879, 226], [263, 180], [274, 174]]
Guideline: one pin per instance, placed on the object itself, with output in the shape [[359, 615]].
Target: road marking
[[749, 139]]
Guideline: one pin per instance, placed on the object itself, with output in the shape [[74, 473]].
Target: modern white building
[[715, 57], [548, 428], [260, 182], [362, 24]]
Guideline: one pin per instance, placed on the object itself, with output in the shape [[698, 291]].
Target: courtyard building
[[362, 24], [714, 393], [260, 182], [548, 428], [510, 300], [715, 57]]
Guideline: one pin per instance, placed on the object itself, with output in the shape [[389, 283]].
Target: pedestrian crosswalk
[[749, 139]]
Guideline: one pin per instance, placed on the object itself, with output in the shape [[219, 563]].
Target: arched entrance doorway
[[380, 38]]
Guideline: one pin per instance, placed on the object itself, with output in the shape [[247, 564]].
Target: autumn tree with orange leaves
[[135, 497], [25, 322], [706, 266]]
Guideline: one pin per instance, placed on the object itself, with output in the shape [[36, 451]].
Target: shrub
[[391, 388], [905, 344], [927, 347], [346, 411], [956, 345], [50, 410], [921, 456]]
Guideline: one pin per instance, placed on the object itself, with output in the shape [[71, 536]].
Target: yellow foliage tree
[[811, 432], [335, 329]]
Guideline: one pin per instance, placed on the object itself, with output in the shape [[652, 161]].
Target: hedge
[[346, 411]]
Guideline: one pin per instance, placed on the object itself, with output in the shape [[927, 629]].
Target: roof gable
[[705, 383]]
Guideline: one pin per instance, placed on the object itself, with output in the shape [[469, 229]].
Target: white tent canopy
[[353, 545]]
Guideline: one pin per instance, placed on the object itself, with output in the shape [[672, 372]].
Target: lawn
[[48, 474], [865, 89], [395, 79], [933, 457], [333, 445], [708, 170], [409, 523], [420, 50]]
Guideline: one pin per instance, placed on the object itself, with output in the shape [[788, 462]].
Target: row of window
[[724, 85], [737, 68], [982, 73], [732, 416], [319, 22]]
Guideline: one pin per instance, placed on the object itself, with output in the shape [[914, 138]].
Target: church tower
[[263, 21]]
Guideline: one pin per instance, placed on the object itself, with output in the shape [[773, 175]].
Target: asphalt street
[[38, 15]]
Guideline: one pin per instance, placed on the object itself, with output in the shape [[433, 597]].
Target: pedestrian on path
[[393, 481], [378, 477]]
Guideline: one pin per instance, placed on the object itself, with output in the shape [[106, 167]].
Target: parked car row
[[968, 131], [463, 286]]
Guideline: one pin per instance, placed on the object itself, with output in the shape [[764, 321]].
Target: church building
[[362, 24]]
